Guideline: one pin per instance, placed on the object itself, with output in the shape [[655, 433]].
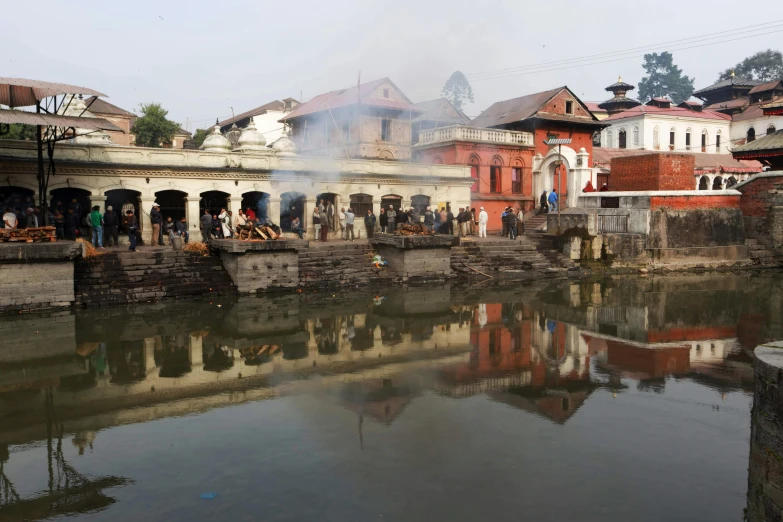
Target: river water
[[615, 399]]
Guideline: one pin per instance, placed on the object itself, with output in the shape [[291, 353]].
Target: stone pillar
[[310, 204], [376, 209], [578, 177], [233, 203], [101, 202], [273, 210], [193, 216], [145, 205]]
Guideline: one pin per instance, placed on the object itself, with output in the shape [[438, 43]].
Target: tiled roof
[[766, 86], [620, 85], [349, 96], [752, 111], [183, 132], [734, 80], [642, 110], [689, 103], [99, 106], [731, 104], [441, 110], [767, 143], [275, 105], [593, 107], [705, 162], [516, 109]]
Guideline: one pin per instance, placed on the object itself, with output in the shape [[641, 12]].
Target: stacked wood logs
[[414, 229], [28, 235], [252, 232]]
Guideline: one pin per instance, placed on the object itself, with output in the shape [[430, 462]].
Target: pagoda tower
[[619, 102]]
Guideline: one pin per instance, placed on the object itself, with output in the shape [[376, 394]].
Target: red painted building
[[503, 144]]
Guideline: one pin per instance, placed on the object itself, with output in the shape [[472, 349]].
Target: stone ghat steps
[[533, 222], [497, 255], [121, 278], [338, 264], [761, 255]]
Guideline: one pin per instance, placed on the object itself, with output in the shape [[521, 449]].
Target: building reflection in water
[[541, 349]]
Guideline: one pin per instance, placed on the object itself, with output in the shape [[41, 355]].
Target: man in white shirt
[[483, 219], [9, 219]]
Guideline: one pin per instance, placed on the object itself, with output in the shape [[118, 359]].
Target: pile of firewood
[[28, 235], [414, 229], [256, 233]]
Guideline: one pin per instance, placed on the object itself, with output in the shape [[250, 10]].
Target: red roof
[[730, 104], [350, 96], [593, 107], [766, 87], [671, 111]]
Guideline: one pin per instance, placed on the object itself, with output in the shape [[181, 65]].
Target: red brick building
[[505, 148]]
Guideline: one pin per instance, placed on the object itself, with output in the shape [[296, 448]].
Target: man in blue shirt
[[553, 201]]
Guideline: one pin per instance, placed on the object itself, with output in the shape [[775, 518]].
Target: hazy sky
[[200, 58]]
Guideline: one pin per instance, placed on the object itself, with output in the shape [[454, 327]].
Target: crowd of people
[[226, 225]]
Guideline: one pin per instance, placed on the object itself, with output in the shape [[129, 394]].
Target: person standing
[[330, 212], [317, 224], [250, 214], [59, 225], [504, 222], [111, 227], [32, 218], [182, 230], [483, 219], [391, 223], [9, 219], [77, 209], [349, 217], [520, 222], [324, 224], [450, 219], [543, 207], [383, 221], [225, 229], [239, 221], [369, 223], [96, 224], [156, 218], [206, 226], [71, 224], [553, 201], [511, 218], [131, 225], [429, 219], [342, 222]]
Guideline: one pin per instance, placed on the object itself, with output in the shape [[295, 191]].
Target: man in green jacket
[[96, 222]]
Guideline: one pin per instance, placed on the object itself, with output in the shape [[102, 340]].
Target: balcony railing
[[465, 133]]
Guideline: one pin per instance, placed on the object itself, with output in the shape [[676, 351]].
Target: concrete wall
[[431, 263], [765, 470], [252, 272], [36, 285], [695, 228]]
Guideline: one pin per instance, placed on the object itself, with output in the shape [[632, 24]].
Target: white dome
[[284, 146], [76, 107], [251, 139], [216, 142]]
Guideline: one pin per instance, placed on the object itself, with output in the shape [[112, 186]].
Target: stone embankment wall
[[765, 470], [115, 278], [36, 276], [339, 265], [762, 210]]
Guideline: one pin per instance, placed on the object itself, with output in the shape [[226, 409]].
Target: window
[[569, 107], [386, 129], [386, 93], [516, 180], [656, 138], [636, 136], [717, 142], [474, 172], [621, 139], [597, 139], [770, 130], [494, 179], [672, 135], [751, 134], [609, 139], [704, 141], [688, 139]]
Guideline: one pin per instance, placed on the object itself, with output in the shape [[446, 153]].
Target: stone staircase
[[338, 264], [497, 255], [760, 254], [533, 222], [117, 278]]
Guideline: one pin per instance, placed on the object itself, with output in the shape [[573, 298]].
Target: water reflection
[[542, 349]]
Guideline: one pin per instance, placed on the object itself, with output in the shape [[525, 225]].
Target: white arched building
[[659, 126]]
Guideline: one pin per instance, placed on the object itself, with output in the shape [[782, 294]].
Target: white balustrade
[[465, 133]]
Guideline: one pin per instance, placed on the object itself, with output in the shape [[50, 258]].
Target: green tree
[[664, 79], [17, 131], [764, 66], [152, 129], [457, 90], [200, 136]]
